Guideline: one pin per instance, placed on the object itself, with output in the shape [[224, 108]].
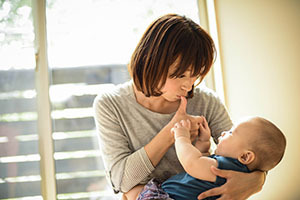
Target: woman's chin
[[172, 99]]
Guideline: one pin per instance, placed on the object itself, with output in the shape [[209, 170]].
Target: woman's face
[[176, 87]]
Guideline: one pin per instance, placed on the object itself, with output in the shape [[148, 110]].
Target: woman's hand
[[160, 144], [239, 186], [133, 193]]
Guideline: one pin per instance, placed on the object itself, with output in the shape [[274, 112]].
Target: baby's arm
[[192, 160], [203, 141]]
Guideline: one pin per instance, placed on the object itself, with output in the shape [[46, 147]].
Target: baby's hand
[[205, 133], [182, 129]]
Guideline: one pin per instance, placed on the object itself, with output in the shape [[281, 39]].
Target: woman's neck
[[156, 104]]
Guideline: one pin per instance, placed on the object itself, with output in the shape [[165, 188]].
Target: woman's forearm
[[159, 145], [142, 162], [136, 169]]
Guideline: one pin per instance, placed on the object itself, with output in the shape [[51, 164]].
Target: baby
[[254, 144]]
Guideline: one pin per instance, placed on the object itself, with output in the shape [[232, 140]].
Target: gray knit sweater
[[125, 127]]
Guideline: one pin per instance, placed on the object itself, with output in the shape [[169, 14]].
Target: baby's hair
[[168, 38], [269, 145]]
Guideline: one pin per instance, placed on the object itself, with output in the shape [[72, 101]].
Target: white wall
[[260, 55]]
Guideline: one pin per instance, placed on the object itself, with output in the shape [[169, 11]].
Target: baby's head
[[255, 141]]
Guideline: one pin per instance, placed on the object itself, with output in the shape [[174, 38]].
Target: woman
[[134, 119]]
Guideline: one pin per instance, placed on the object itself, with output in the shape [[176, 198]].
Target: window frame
[[208, 21], [46, 150]]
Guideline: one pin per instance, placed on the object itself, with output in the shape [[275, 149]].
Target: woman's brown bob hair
[[166, 39]]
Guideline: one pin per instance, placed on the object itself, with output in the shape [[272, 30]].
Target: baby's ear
[[246, 157]]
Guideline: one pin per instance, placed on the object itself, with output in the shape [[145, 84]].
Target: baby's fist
[[182, 129]]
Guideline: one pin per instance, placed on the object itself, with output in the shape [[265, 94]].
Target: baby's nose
[[223, 133]]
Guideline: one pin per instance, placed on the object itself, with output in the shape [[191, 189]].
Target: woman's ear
[[247, 157]]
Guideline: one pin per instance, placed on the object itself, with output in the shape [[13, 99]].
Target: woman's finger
[[188, 123], [220, 172], [183, 123], [223, 198], [209, 193], [182, 107], [198, 119]]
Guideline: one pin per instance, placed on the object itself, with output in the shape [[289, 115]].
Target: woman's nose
[[188, 84], [186, 87]]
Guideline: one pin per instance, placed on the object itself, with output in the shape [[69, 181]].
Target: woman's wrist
[[168, 135], [159, 145]]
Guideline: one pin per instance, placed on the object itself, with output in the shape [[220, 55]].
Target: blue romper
[[183, 186]]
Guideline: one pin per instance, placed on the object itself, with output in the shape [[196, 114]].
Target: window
[[89, 43], [19, 152]]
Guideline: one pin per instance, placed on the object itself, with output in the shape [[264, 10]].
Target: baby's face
[[234, 142]]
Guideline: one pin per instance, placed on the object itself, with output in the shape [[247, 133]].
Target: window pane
[[19, 155], [90, 43]]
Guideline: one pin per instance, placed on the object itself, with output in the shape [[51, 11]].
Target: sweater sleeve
[[124, 168]]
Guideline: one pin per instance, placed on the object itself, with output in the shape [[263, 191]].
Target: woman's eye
[[181, 76]]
